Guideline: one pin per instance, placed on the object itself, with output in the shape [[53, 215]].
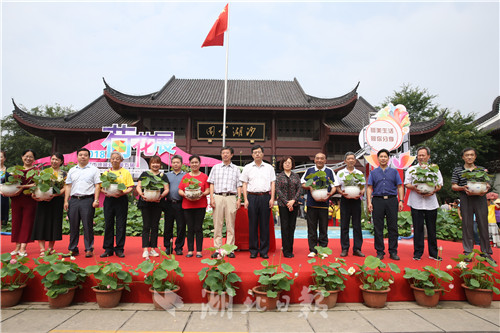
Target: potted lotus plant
[[319, 182], [328, 278], [162, 276], [152, 186], [219, 277], [478, 275], [60, 278], [44, 184], [110, 183], [425, 177], [376, 277], [193, 188], [273, 280], [353, 183], [477, 180], [11, 186], [427, 283], [15, 275], [111, 279]]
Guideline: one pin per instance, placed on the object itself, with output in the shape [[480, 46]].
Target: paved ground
[[449, 316]]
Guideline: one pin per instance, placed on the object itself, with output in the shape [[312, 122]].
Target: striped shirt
[[456, 176], [226, 178]]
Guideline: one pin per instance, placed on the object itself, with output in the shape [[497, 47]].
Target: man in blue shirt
[[172, 208], [385, 185]]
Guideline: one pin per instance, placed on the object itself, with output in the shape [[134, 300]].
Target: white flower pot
[[424, 188], [112, 189], [477, 187], [193, 193], [43, 195], [352, 191], [151, 195], [320, 195], [9, 190]]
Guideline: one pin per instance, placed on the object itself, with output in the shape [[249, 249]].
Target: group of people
[[258, 184]]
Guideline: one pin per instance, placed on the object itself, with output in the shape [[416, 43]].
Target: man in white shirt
[[225, 191], [258, 180], [80, 200], [350, 208], [423, 209]]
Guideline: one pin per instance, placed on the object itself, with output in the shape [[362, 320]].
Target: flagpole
[[225, 83]]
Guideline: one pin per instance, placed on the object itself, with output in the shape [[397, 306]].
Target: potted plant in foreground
[[110, 183], [11, 186], [427, 283], [111, 280], [319, 183], [152, 186], [477, 180], [60, 278], [273, 280], [376, 277], [478, 275], [162, 276], [328, 278], [353, 184], [193, 188], [219, 278], [15, 275], [425, 177]]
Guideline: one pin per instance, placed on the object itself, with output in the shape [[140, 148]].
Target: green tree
[[15, 139], [418, 102], [458, 132]]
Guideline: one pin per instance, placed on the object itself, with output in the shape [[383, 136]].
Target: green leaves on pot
[[109, 178], [111, 276]]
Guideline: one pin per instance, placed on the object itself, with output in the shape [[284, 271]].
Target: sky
[[58, 52]]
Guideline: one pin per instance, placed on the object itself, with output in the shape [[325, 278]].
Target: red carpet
[[191, 286]]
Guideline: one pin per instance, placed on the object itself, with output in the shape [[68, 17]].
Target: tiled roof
[[495, 111], [205, 93], [93, 116], [359, 118]]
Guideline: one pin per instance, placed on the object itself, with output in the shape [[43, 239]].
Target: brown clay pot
[[478, 297], [108, 298], [424, 300], [263, 302], [62, 300], [375, 298], [12, 297], [164, 300], [216, 301], [329, 301]]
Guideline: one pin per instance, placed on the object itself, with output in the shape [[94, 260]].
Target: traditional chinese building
[[278, 115]]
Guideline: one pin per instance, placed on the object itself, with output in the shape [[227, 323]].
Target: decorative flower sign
[[388, 131]]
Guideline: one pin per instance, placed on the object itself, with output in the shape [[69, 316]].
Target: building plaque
[[234, 131]]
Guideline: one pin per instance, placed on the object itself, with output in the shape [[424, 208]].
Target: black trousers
[[385, 208], [115, 212], [151, 213], [81, 209], [421, 217], [317, 217], [173, 211], [258, 221], [470, 205], [288, 222], [350, 209], [194, 219]]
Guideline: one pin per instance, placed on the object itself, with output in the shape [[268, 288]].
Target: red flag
[[216, 35]]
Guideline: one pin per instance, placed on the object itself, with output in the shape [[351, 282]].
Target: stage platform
[[191, 286]]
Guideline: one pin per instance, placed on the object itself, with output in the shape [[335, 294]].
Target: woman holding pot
[[194, 206]]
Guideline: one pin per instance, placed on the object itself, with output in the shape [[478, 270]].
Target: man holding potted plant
[[225, 192], [258, 180], [350, 205], [424, 203], [385, 185], [81, 198], [472, 203], [316, 178]]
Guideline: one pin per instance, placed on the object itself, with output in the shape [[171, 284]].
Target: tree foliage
[[15, 139], [458, 132], [418, 102]]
